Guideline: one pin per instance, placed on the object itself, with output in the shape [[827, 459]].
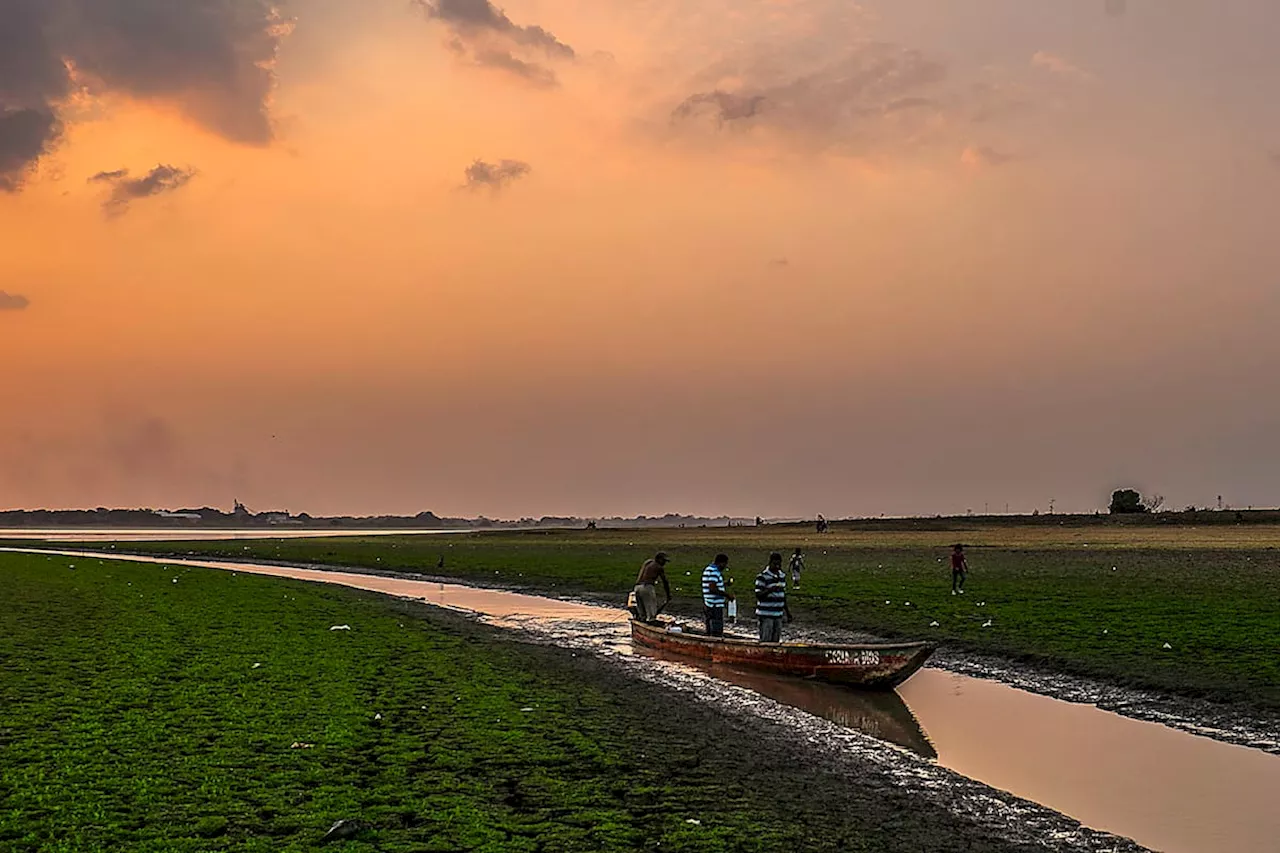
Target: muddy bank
[[820, 766], [1225, 723]]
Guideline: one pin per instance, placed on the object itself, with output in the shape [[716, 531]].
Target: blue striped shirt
[[712, 574], [771, 593]]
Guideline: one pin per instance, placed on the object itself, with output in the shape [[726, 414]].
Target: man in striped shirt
[[714, 594], [771, 600]]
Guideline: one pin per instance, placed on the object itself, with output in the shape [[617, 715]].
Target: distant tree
[[1126, 501]]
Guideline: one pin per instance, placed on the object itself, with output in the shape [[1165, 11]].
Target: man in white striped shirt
[[771, 600], [714, 595]]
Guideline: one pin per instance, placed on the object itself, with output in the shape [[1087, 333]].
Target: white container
[[731, 610]]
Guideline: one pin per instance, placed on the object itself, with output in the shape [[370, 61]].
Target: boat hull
[[871, 665]]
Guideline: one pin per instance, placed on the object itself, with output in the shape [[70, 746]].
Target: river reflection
[[879, 713]]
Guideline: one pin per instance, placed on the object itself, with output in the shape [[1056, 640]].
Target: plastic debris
[[908, 604], [340, 628], [1167, 646], [255, 666], [694, 821], [377, 716], [526, 710], [297, 744], [986, 624], [933, 624], [341, 831]]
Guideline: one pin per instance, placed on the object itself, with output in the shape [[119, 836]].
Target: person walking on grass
[[651, 572], [959, 570], [797, 566], [714, 595], [771, 600]]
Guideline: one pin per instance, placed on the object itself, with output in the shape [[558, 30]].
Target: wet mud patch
[[839, 757]]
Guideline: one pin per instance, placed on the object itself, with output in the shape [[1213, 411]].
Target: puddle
[[1166, 789]]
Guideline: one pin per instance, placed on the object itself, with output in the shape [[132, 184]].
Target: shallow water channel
[[1166, 789]]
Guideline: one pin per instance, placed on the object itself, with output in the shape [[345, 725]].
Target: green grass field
[[1101, 602], [145, 708]]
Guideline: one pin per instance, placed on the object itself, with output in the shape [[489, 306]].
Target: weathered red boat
[[876, 665]]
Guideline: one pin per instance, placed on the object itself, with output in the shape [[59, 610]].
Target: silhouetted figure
[[796, 566], [959, 570]]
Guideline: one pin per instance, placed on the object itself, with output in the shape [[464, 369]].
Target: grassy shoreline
[[1104, 611], [151, 708]]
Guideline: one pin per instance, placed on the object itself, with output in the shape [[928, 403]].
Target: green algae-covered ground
[[1099, 601], [145, 708]]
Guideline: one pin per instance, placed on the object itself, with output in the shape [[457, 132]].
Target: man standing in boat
[[646, 592], [714, 595], [771, 600]]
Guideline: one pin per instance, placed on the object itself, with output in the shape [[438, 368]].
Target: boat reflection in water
[[879, 713]]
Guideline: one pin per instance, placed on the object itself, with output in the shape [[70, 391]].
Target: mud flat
[[1170, 790], [159, 706]]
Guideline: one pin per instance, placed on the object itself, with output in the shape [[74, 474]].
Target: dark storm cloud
[[124, 190], [13, 301], [483, 33], [213, 59], [25, 135], [495, 175], [869, 81]]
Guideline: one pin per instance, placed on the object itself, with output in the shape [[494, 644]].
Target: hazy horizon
[[772, 257]]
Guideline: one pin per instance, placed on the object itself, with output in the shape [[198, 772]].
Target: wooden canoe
[[875, 665]]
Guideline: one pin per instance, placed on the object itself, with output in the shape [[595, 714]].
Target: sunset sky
[[773, 257]]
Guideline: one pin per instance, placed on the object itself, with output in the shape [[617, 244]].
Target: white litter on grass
[[377, 716], [933, 624], [986, 624], [888, 602], [255, 666], [908, 604], [175, 580], [297, 744], [526, 710], [340, 628], [1167, 646], [694, 821]]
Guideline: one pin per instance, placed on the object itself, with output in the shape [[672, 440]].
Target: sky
[[775, 257]]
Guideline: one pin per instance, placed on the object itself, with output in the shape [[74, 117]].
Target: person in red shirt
[[959, 569]]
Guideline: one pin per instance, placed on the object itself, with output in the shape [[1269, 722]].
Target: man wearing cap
[[646, 594]]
